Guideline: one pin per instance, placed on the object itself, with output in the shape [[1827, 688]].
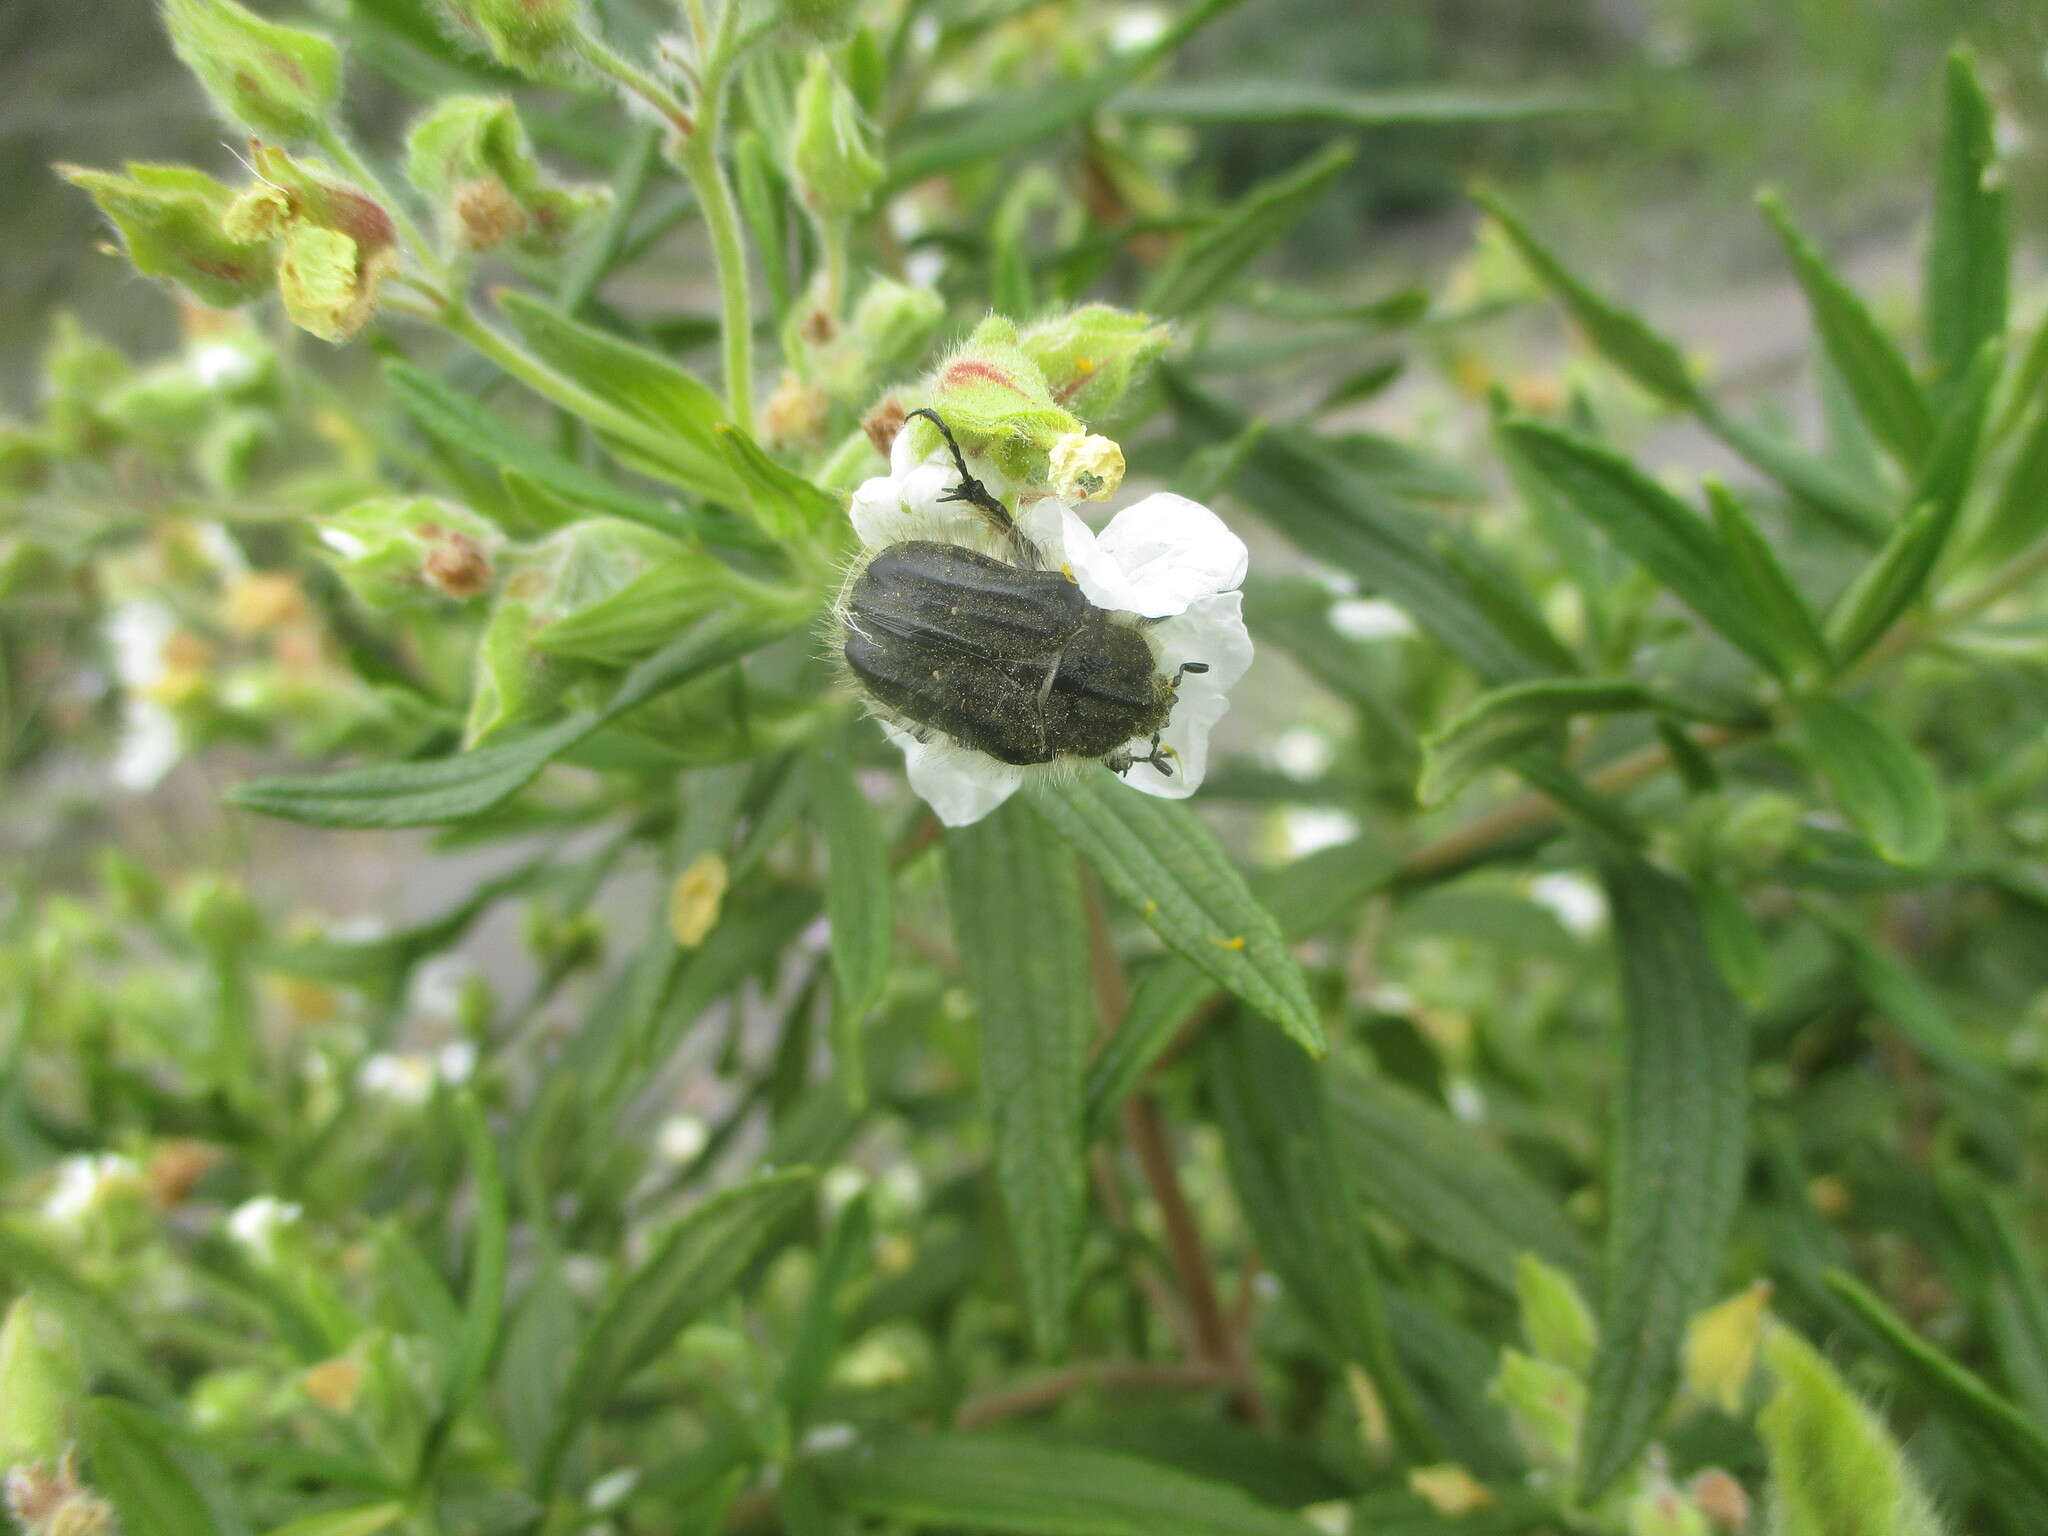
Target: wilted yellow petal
[[1721, 1346], [694, 900], [1449, 1489]]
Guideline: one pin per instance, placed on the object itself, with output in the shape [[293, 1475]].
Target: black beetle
[[1010, 660]]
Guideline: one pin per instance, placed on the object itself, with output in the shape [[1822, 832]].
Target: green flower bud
[[538, 38], [1834, 1466], [567, 573], [1659, 1509], [407, 551], [221, 914], [820, 21], [1556, 1321], [1760, 831], [275, 80], [892, 325], [831, 155], [169, 217], [42, 1386], [996, 401], [1544, 1404], [1093, 355], [471, 157]]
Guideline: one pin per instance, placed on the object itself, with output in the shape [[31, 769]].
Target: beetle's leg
[[1185, 668], [969, 490]]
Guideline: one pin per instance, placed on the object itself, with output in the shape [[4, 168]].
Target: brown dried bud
[[176, 1168], [487, 215], [1721, 1499], [456, 563], [796, 415], [883, 423]]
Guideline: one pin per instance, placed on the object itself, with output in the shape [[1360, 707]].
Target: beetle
[[1009, 659]]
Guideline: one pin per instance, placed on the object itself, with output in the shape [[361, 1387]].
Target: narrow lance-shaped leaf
[[1779, 606], [1882, 785], [1161, 860], [1498, 725], [484, 1302], [363, 1520], [1678, 1146], [1021, 1487], [1870, 363], [1239, 99], [935, 142], [1649, 524], [859, 900], [1968, 253], [2008, 1448], [2020, 514], [470, 783], [458, 421], [1017, 915], [693, 1266], [1202, 269], [1294, 1189], [1348, 522], [160, 1486]]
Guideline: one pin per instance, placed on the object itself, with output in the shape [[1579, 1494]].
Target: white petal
[[960, 786], [1211, 631], [909, 503], [1159, 555]]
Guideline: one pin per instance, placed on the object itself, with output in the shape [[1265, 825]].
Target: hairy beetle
[[1010, 660]]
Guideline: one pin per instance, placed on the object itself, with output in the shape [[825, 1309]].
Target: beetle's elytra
[[1010, 661]]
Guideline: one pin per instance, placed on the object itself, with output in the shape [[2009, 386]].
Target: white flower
[[83, 1181], [402, 1078], [1164, 558], [257, 1224], [1574, 900], [681, 1139]]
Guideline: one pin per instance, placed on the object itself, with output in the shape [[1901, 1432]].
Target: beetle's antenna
[[969, 490]]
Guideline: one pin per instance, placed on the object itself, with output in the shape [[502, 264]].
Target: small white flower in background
[[1370, 618], [1302, 753], [456, 1061], [822, 1438], [84, 1181], [1164, 558], [1576, 902], [435, 993], [1311, 829], [257, 1224], [681, 1139], [839, 1187], [613, 1489]]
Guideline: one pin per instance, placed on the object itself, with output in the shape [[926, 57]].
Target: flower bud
[[1721, 1348], [1091, 356], [994, 398], [831, 158], [277, 80], [471, 157], [1086, 467], [400, 551], [892, 325], [169, 218], [695, 899], [1544, 1404], [1659, 1509], [49, 1500], [337, 244], [1555, 1319], [42, 1386], [537, 38]]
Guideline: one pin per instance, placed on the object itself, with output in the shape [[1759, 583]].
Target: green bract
[[271, 79]]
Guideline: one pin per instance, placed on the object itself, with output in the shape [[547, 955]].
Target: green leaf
[[1968, 254], [2009, 1449], [1203, 267], [1624, 339], [988, 129], [483, 1311], [644, 385], [1160, 859], [1678, 1149], [1778, 605], [470, 783], [1308, 894], [457, 421], [1447, 1185], [692, 1267], [1849, 503], [1650, 525], [1506, 721], [1347, 522], [1883, 786], [1886, 587], [157, 1484], [785, 505], [822, 1326], [2020, 514], [641, 616], [1017, 916], [1835, 1469], [1918, 1012], [1870, 363], [364, 1520], [1294, 1190], [1243, 99], [859, 901], [1024, 1487]]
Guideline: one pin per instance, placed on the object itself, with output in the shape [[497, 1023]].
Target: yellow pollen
[[1085, 364], [1235, 943], [1068, 572]]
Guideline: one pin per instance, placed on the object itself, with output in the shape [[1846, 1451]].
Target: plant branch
[[1042, 1392]]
